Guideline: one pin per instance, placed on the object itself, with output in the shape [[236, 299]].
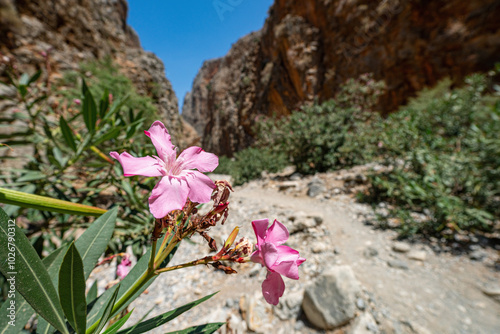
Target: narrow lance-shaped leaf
[[94, 241], [89, 111], [72, 290], [8, 196], [67, 133], [32, 279], [157, 321], [107, 311], [129, 280], [104, 104], [23, 310], [92, 294], [54, 260], [35, 77], [200, 329], [84, 87], [117, 325]]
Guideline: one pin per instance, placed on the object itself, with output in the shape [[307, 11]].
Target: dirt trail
[[441, 294]]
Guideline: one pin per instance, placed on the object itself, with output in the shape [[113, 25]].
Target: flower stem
[[164, 242], [205, 260], [152, 257]]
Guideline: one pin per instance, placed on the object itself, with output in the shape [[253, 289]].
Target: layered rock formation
[[71, 32], [306, 49]]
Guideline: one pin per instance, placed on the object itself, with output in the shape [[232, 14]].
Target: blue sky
[[184, 33]]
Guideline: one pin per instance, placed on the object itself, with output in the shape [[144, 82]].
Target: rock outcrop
[[71, 32], [306, 49]]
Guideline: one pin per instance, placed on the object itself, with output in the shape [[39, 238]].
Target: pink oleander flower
[[178, 179], [277, 258], [124, 267]]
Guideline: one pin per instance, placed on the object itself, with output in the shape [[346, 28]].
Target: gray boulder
[[330, 301]]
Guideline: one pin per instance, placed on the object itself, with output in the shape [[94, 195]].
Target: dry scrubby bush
[[444, 149]]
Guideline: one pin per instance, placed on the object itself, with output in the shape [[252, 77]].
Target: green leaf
[[201, 329], [24, 80], [67, 133], [22, 90], [43, 327], [106, 315], [32, 176], [94, 241], [104, 103], [52, 262], [96, 310], [89, 111], [59, 157], [83, 144], [85, 89], [117, 325], [132, 277], [72, 290], [116, 106], [111, 134], [23, 313], [92, 294], [13, 197], [32, 279], [35, 77], [157, 321]]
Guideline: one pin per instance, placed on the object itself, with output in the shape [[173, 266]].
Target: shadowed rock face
[[306, 49], [72, 31]]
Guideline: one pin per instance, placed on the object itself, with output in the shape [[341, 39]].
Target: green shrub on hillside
[[443, 148], [445, 153], [325, 136], [249, 164]]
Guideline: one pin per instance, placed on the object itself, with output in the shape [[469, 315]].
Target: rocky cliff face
[[306, 49], [72, 31]]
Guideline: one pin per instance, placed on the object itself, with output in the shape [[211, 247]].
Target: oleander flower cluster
[[174, 203]]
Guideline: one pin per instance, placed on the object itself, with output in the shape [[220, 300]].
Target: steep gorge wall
[[74, 31], [308, 48]]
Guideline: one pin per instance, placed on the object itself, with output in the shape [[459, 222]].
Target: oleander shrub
[[248, 164], [444, 149]]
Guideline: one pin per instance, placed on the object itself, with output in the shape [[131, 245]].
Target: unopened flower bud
[[230, 240]]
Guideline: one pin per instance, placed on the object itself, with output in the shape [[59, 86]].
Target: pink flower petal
[[288, 269], [256, 257], [146, 166], [168, 194], [277, 233], [123, 268], [269, 254], [287, 253], [195, 157], [161, 140], [200, 187], [260, 229], [273, 288]]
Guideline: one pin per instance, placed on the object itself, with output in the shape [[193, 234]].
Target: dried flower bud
[[226, 269], [244, 247], [222, 191]]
